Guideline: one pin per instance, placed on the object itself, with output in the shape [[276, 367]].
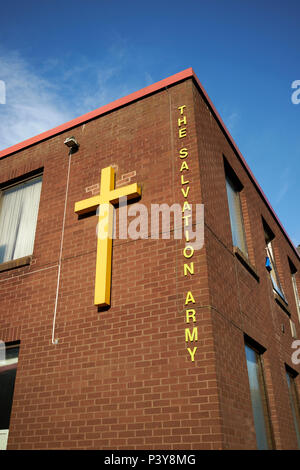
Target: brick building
[[194, 348]]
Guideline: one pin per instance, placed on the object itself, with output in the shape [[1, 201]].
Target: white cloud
[[100, 90], [35, 104], [32, 104], [232, 121], [44, 95]]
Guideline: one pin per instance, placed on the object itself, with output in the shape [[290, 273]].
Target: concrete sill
[[245, 262], [15, 263]]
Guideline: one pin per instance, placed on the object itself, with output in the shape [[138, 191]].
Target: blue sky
[[60, 59]]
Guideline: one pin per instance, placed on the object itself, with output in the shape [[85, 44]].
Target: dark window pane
[[294, 404], [7, 383], [236, 217], [257, 398]]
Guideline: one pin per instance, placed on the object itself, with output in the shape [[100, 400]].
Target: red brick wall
[[122, 378]]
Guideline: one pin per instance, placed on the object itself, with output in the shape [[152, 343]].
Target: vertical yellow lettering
[[185, 192], [183, 153], [191, 313], [182, 132], [189, 254], [186, 217], [181, 108], [182, 180], [186, 207], [188, 268], [184, 166], [189, 298], [191, 336], [192, 353], [181, 121]]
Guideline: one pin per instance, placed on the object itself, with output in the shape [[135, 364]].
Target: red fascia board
[[188, 73]]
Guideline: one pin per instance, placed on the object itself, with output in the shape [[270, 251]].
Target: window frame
[[4, 368], [294, 271], [273, 273], [259, 351], [26, 259], [238, 233], [294, 400]]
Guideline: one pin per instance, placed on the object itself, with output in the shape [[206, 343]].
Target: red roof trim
[[188, 73]]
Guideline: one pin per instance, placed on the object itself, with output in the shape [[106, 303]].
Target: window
[[294, 402], [9, 353], [295, 288], [18, 216], [270, 262], [233, 188], [258, 399]]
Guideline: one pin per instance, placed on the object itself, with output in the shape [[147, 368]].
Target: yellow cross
[[108, 197]]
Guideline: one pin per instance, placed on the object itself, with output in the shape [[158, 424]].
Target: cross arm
[[131, 191], [87, 205]]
